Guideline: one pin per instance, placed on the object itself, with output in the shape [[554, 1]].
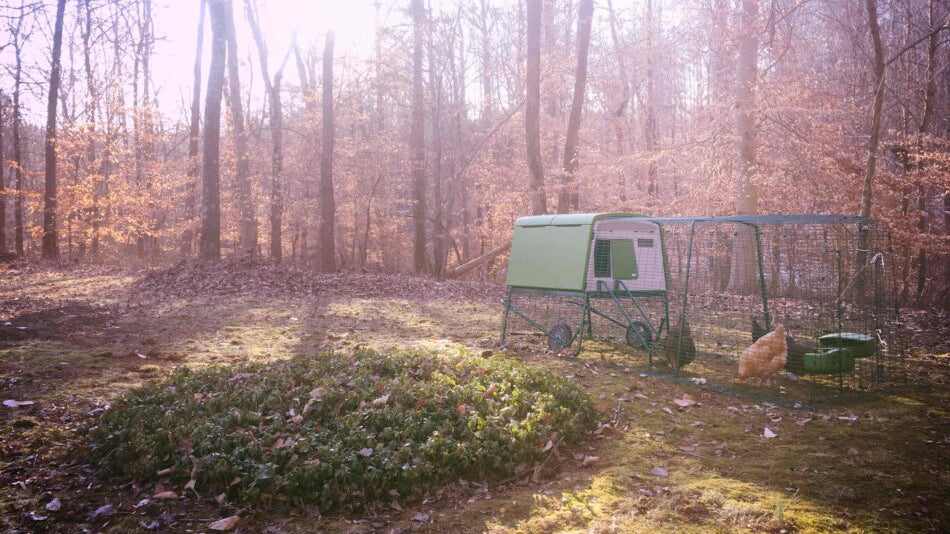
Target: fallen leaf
[[143, 502], [803, 422], [54, 506], [191, 486], [589, 460], [165, 495], [105, 510], [420, 517], [660, 472], [548, 446], [36, 517], [367, 452], [768, 434], [222, 525], [685, 402], [10, 403], [317, 393]]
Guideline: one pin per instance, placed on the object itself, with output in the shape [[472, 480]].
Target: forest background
[[414, 145]]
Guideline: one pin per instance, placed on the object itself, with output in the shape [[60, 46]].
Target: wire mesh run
[[798, 307]]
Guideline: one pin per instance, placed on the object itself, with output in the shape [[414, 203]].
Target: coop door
[[615, 258]]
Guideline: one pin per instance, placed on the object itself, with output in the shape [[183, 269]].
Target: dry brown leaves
[[241, 276]]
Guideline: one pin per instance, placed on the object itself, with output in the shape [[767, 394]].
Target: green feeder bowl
[[827, 361], [856, 345]]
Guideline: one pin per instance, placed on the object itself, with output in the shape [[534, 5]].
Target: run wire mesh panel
[[802, 306]]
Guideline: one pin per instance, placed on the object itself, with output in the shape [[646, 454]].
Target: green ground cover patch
[[339, 431]]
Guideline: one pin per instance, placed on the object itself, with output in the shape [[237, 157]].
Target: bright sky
[[176, 22]]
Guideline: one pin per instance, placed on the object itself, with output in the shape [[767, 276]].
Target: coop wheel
[[559, 337], [638, 335]]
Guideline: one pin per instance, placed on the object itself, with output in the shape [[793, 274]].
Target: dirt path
[[670, 457]]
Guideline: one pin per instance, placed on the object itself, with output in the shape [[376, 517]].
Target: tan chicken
[[764, 357]]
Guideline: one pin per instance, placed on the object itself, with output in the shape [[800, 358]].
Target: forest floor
[[670, 456]]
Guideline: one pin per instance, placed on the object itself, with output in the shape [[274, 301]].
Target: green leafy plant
[[339, 430]]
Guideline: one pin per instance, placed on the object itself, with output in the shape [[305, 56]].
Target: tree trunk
[[742, 274], [532, 122], [925, 127], [50, 238], [17, 148], [276, 130], [439, 254], [568, 198], [3, 184], [210, 246], [619, 111], [417, 142], [327, 205], [248, 227], [191, 196], [649, 134], [861, 257]]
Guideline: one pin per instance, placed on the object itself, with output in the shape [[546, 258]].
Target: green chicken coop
[[696, 291]]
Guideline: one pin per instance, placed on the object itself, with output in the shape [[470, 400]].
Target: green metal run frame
[[645, 338], [619, 293]]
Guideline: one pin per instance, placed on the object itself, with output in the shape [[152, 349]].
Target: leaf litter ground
[[666, 457]]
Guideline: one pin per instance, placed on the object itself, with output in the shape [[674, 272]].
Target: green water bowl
[[828, 361], [856, 345]]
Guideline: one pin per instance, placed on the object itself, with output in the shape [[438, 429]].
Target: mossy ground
[[876, 463]]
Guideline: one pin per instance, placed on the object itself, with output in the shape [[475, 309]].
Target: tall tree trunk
[[532, 121], [439, 254], [742, 274], [210, 245], [866, 193], [191, 196], [925, 129], [92, 91], [327, 204], [619, 111], [276, 130], [861, 257], [649, 134], [247, 233], [568, 198], [417, 142], [3, 183], [50, 238], [17, 147]]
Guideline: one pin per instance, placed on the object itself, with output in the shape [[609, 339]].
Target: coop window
[[644, 242], [602, 258], [615, 258]]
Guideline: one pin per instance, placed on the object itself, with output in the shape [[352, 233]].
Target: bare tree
[[194, 169], [248, 227], [878, 69], [19, 34], [649, 123], [3, 172], [532, 121], [327, 204], [210, 246], [50, 241], [417, 141], [568, 200], [742, 272], [619, 110], [276, 129]]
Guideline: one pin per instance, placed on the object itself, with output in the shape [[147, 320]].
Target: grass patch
[[339, 431]]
